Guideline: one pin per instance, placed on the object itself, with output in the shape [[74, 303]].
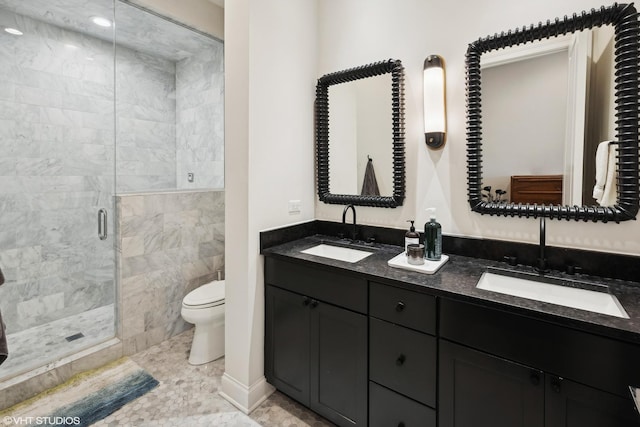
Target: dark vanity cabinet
[[477, 389], [364, 353], [288, 335], [316, 340], [402, 357], [498, 369], [571, 404]]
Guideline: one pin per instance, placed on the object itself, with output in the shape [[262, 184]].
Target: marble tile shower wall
[[57, 156], [56, 170], [200, 119], [146, 121], [169, 244]]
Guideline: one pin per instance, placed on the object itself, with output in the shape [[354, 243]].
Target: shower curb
[[24, 386]]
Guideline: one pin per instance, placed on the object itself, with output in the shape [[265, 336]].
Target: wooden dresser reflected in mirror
[[540, 189]]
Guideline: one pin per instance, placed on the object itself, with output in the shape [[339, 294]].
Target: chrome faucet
[[542, 261], [344, 214]]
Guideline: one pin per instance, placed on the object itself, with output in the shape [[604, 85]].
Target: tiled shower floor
[[39, 345]]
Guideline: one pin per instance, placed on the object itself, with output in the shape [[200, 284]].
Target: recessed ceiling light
[[13, 31], [103, 22]]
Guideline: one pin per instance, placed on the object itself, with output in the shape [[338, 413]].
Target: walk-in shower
[[88, 110]]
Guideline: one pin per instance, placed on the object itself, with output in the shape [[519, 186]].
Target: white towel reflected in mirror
[[606, 189]]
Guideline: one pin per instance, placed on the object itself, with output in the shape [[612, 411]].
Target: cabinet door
[[339, 364], [477, 389], [287, 322], [570, 404]]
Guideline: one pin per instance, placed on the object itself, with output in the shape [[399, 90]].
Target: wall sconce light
[[435, 117]]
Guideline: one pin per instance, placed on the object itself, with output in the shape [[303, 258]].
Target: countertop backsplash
[[601, 264]]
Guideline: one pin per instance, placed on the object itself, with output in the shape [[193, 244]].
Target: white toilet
[[204, 307]]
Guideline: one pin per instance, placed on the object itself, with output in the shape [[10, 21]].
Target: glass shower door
[[56, 175]]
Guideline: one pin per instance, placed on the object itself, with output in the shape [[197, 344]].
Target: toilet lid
[[206, 294]]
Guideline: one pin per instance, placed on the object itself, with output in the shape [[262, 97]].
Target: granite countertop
[[457, 280]]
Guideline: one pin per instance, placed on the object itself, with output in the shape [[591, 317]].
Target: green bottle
[[432, 237]]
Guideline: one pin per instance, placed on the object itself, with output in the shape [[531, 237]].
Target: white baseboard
[[242, 397]]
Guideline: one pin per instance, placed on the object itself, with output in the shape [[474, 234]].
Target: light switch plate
[[295, 206]]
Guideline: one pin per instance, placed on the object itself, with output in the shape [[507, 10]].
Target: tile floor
[[188, 395], [37, 346]]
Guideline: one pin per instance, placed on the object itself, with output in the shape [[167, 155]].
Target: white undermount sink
[[337, 252], [597, 300]]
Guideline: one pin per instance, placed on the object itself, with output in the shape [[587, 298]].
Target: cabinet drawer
[[387, 408], [339, 289], [403, 360], [411, 309]]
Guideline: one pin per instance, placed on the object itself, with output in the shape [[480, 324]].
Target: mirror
[[568, 85], [361, 128], [360, 135], [548, 98]]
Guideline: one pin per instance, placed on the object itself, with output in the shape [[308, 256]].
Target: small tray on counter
[[429, 267]]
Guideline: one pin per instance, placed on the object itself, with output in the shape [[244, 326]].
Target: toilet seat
[[206, 296]]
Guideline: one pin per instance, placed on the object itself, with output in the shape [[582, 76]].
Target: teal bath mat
[[103, 403], [85, 398]]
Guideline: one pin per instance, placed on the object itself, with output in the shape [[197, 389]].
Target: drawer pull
[[556, 383], [400, 360], [401, 424], [314, 303], [306, 301], [399, 306], [534, 377]]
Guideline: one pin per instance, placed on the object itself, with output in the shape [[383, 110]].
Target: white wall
[[375, 131], [270, 73], [343, 147], [524, 119], [357, 32]]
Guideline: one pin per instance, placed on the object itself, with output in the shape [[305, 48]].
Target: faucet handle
[[512, 260], [573, 269]]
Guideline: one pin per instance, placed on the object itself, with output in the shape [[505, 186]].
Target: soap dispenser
[[432, 237], [411, 237]]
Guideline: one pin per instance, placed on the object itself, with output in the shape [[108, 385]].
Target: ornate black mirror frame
[[322, 133], [625, 21]]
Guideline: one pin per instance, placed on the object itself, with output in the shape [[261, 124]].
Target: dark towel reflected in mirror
[[369, 183]]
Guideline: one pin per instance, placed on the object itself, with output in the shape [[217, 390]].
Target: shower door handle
[[102, 224]]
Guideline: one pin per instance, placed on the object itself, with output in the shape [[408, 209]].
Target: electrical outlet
[[295, 206]]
